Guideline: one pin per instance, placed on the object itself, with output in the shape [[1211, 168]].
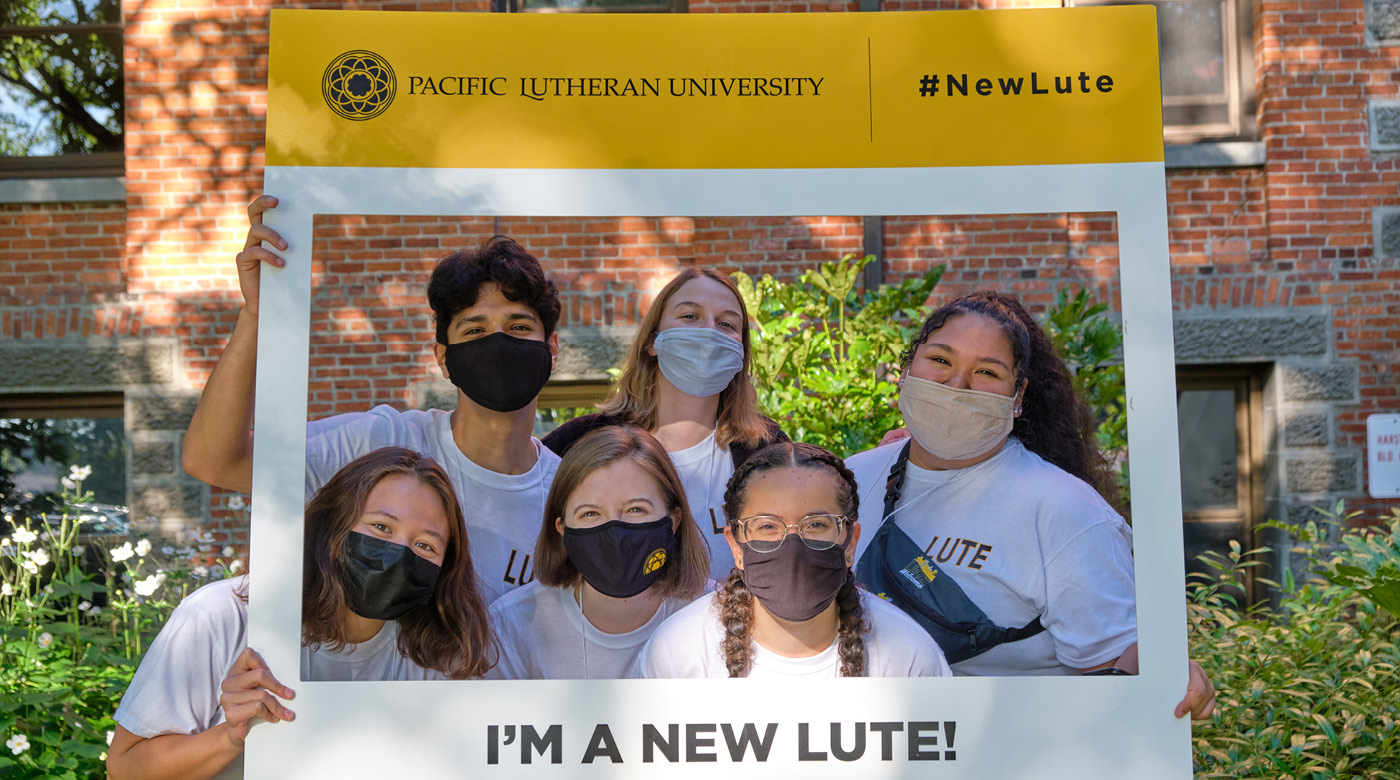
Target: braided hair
[[735, 601]]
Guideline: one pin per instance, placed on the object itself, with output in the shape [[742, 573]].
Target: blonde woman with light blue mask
[[686, 381]]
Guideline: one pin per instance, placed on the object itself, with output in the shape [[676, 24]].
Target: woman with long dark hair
[[686, 381], [790, 607], [618, 553], [388, 594], [998, 529]]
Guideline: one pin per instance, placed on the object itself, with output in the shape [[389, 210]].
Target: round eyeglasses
[[764, 533]]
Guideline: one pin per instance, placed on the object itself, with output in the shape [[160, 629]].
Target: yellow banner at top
[[843, 90]]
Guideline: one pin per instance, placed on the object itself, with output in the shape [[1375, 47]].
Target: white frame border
[[1007, 727]]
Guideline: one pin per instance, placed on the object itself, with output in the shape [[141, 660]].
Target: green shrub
[[69, 643], [1309, 689], [824, 355], [1091, 345]]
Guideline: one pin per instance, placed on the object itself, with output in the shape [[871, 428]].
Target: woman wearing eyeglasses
[[790, 608]]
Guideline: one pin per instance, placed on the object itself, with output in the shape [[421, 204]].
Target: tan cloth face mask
[[955, 424]]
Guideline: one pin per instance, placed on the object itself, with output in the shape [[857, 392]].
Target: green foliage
[[824, 354], [75, 617], [1091, 344], [1310, 689], [66, 84]]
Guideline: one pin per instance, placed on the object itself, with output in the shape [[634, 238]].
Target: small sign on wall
[[1383, 454]]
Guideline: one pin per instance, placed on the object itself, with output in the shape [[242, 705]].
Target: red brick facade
[[1295, 232]]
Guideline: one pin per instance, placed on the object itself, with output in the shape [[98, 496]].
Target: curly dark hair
[[735, 602], [458, 278], [1055, 422]]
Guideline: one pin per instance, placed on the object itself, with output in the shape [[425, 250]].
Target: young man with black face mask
[[495, 314]]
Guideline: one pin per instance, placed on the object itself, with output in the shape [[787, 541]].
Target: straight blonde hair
[[634, 397]]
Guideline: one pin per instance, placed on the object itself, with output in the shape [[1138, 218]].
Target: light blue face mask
[[698, 361]]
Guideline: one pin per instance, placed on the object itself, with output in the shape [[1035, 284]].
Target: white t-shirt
[[690, 645], [176, 688], [705, 470], [544, 636], [1023, 539], [502, 511]]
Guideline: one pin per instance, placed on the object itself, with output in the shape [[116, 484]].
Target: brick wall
[[1295, 234]]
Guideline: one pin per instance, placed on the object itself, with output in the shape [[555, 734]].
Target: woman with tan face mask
[[996, 526]]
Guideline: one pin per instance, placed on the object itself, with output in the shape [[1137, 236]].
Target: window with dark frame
[[1207, 62], [61, 89], [1218, 427], [44, 436]]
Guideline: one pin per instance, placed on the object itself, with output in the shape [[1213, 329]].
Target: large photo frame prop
[[980, 112]]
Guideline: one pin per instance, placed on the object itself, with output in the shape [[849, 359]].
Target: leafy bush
[[1091, 345], [70, 638], [824, 354], [1310, 688]]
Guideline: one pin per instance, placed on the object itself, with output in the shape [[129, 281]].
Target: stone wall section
[[1291, 265]]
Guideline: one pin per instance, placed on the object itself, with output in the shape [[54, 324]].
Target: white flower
[[235, 567], [48, 589], [67, 483], [17, 743], [25, 536], [30, 567], [123, 552], [204, 537], [40, 557], [6, 590], [95, 611], [186, 552], [228, 551], [167, 550], [43, 536], [149, 585], [199, 571], [5, 541], [78, 474], [236, 502], [78, 549], [143, 548], [45, 639], [84, 606]]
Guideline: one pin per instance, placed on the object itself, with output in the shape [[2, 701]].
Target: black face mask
[[795, 582], [500, 372], [621, 559], [383, 580]]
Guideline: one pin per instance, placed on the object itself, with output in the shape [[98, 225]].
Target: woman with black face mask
[[790, 608], [617, 554], [388, 594]]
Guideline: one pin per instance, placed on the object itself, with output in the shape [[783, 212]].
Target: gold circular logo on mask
[[656, 560], [359, 85]]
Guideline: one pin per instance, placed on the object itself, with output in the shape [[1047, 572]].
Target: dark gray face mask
[[384, 580], [795, 582]]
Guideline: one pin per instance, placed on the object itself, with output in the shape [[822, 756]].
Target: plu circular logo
[[359, 85]]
